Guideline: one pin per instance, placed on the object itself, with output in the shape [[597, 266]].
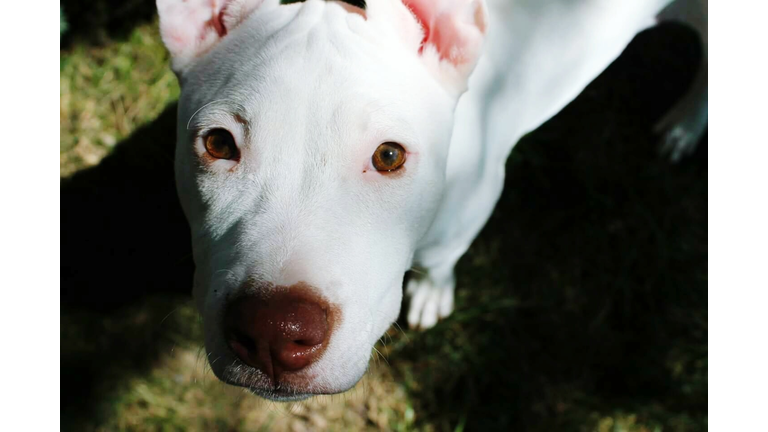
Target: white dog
[[323, 150]]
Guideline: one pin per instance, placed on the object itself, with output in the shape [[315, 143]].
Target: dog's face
[[311, 148]]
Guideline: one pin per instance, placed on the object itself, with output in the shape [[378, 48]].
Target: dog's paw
[[682, 128], [678, 142], [430, 301]]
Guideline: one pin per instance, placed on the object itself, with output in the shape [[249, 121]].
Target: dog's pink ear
[[454, 31], [189, 28]]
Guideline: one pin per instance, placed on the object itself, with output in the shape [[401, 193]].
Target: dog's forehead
[[308, 86], [319, 65], [322, 34]]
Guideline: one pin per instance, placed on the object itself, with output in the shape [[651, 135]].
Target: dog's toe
[[681, 129], [429, 302], [678, 142]]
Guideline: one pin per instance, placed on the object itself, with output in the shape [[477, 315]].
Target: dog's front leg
[[474, 182]]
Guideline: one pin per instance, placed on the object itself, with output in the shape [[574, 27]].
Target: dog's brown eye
[[220, 144], [389, 157]]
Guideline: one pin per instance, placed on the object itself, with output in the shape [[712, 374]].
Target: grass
[[177, 391], [581, 307], [108, 91]]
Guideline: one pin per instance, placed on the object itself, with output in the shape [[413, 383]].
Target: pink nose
[[282, 332]]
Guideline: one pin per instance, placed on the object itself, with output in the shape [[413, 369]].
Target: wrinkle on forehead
[[341, 21], [219, 112]]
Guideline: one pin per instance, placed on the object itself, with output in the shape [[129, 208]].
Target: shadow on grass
[[124, 240], [585, 296], [124, 234]]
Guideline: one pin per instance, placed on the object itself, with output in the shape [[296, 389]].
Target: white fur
[[539, 55], [309, 90]]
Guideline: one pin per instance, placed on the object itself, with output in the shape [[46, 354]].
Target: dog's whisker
[[169, 314], [418, 271], [199, 356], [382, 356], [405, 335]]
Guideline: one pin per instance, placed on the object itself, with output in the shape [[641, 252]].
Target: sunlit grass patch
[[106, 92]]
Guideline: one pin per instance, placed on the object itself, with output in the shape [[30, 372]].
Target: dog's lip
[[282, 391], [280, 394]]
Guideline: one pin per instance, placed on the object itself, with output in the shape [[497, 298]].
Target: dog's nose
[[277, 333]]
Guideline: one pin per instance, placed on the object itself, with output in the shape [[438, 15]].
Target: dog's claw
[[430, 301]]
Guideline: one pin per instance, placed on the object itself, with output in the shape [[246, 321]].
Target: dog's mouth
[[291, 387], [280, 395], [267, 390]]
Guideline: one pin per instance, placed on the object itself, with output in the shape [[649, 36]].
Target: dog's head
[[311, 148]]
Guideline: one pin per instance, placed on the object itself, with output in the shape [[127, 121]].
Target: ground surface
[[582, 306]]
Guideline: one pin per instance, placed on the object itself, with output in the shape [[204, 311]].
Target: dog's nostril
[[282, 332], [245, 341]]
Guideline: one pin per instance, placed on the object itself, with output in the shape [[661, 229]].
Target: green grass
[[108, 91], [581, 307]]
